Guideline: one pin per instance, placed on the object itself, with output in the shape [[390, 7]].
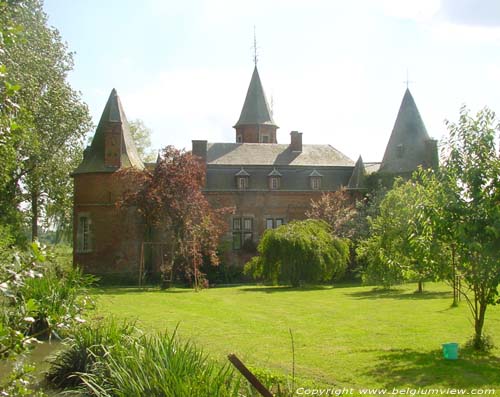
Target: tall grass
[[111, 360], [56, 299]]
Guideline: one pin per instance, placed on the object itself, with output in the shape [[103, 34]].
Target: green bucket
[[450, 351]]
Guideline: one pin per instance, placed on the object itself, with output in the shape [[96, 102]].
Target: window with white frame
[[264, 138], [315, 182], [242, 182], [83, 234], [274, 182]]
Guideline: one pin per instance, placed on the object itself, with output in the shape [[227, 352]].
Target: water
[[38, 357]]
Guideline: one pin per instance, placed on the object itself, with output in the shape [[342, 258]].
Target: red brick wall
[[115, 234], [250, 133]]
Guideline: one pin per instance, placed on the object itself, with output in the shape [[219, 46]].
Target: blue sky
[[334, 70]]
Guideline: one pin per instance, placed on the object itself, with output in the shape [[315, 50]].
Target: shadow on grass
[[284, 288], [399, 294], [400, 368], [136, 290]]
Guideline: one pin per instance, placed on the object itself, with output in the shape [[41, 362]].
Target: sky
[[334, 70]]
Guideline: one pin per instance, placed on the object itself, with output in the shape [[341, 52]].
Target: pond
[[38, 357]]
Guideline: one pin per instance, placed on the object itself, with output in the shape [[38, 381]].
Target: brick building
[[267, 183]]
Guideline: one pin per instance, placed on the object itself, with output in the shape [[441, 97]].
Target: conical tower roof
[[358, 177], [407, 147], [255, 109], [93, 160]]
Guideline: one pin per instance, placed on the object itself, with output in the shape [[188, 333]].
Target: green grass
[[346, 336]]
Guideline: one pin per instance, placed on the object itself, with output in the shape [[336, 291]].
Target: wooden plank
[[249, 376]]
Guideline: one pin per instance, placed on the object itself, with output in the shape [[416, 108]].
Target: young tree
[[337, 209], [299, 251], [402, 244], [142, 139], [469, 214], [171, 201]]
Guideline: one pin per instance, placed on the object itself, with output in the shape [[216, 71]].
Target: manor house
[[268, 183]]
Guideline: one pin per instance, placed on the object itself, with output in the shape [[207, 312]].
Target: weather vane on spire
[[255, 58], [408, 81]]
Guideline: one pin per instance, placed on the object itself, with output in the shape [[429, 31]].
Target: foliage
[[85, 347], [142, 139], [469, 210], [300, 251], [50, 120], [108, 359], [37, 298], [337, 209], [171, 201], [402, 245]]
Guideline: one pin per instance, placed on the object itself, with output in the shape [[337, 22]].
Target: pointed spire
[[358, 177], [256, 110], [407, 147], [112, 118]]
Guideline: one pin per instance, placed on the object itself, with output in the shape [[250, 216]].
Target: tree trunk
[[34, 215], [420, 286], [478, 326]]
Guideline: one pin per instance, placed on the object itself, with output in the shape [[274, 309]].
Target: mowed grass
[[345, 336]]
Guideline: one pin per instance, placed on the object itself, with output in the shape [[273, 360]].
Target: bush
[[108, 360], [300, 251], [86, 347]]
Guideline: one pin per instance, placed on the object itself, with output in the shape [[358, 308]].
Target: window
[[239, 139], [242, 231], [274, 183], [247, 224], [315, 182], [242, 183], [83, 233], [272, 223], [264, 138]]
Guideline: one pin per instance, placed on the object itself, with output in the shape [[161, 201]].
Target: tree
[[469, 215], [51, 120], [142, 139], [170, 200], [300, 251], [337, 209], [402, 244]]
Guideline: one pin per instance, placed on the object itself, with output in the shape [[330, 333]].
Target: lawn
[[345, 336]]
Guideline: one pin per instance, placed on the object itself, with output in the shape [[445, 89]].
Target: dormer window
[[274, 179], [242, 178], [315, 179]]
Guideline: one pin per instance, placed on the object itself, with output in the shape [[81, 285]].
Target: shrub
[[300, 251], [84, 348], [111, 360]]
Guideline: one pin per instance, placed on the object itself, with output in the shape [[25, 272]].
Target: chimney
[[296, 141], [200, 149]]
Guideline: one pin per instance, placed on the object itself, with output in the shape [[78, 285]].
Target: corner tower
[[409, 145], [105, 238], [256, 124]]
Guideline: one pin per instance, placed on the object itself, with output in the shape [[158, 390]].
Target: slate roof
[[221, 178], [358, 177], [93, 160], [243, 154], [255, 109], [407, 147]]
